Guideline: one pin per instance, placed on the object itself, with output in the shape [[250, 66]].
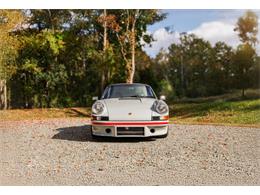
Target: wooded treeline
[[61, 58]]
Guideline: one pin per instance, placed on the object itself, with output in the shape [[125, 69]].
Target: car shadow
[[83, 134]]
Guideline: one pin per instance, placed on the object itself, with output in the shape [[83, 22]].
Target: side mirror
[[95, 98], [162, 97]]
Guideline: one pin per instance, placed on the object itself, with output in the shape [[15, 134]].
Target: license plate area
[[130, 131]]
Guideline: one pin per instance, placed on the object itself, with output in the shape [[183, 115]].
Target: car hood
[[129, 108]]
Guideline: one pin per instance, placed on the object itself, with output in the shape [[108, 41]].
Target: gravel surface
[[62, 152]]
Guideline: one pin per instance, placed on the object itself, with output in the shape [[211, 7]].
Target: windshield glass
[[121, 91]]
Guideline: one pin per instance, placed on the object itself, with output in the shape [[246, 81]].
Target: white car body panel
[[129, 117], [129, 109]]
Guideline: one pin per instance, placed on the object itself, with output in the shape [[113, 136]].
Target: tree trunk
[[105, 31], [129, 72], [132, 72], [51, 20], [133, 45], [104, 68], [244, 80], [3, 94], [8, 97], [182, 75], [243, 92]]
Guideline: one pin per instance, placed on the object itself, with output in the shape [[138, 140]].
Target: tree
[[53, 19], [244, 59], [129, 28], [189, 65], [247, 27], [107, 51], [40, 68], [221, 68], [10, 20]]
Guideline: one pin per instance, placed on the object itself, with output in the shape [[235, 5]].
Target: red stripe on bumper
[[130, 123]]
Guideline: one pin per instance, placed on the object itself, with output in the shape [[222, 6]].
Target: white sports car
[[129, 110]]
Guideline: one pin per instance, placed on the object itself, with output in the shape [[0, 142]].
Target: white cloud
[[221, 31], [212, 31], [163, 39], [217, 31]]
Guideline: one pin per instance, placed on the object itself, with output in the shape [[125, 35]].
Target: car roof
[[115, 84]]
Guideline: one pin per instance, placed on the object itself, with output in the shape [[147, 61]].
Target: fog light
[[152, 130], [108, 130]]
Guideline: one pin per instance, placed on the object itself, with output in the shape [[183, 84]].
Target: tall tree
[[129, 27], [221, 68], [41, 19], [10, 20], [189, 65], [104, 19], [247, 27], [244, 59]]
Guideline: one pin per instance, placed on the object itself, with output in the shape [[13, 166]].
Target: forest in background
[[61, 58]]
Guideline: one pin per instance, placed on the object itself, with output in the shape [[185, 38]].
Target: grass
[[227, 109], [244, 112]]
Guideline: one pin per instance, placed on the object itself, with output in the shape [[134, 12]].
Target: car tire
[[92, 135]]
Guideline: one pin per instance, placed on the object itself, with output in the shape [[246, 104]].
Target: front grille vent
[[130, 130]]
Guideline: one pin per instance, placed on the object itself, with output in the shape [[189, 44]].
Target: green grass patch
[[245, 112]]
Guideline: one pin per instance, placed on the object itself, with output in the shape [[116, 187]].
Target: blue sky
[[184, 20], [211, 24]]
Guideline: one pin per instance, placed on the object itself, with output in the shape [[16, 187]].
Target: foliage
[[61, 58], [9, 20], [244, 60], [247, 27], [128, 28], [245, 57]]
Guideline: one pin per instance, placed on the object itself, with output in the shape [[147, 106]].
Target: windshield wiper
[[144, 96], [148, 96], [136, 96], [132, 96]]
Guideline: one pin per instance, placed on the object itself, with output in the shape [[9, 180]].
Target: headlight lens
[[98, 108], [161, 107]]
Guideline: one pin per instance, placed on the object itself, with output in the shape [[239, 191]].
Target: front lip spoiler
[[130, 123]]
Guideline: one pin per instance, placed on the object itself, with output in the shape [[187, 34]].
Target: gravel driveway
[[62, 152]]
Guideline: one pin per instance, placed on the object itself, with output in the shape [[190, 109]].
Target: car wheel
[[92, 135]]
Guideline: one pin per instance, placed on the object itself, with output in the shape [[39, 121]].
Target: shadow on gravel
[[83, 134]]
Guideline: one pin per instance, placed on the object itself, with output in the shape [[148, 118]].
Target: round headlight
[[98, 108], [161, 107]]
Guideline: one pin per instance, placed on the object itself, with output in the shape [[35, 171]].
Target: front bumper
[[129, 128]]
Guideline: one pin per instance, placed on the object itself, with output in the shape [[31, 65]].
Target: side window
[[150, 92]]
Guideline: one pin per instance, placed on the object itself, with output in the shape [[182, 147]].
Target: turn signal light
[[160, 118], [164, 117]]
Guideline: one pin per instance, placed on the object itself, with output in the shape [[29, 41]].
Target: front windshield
[[122, 91]]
